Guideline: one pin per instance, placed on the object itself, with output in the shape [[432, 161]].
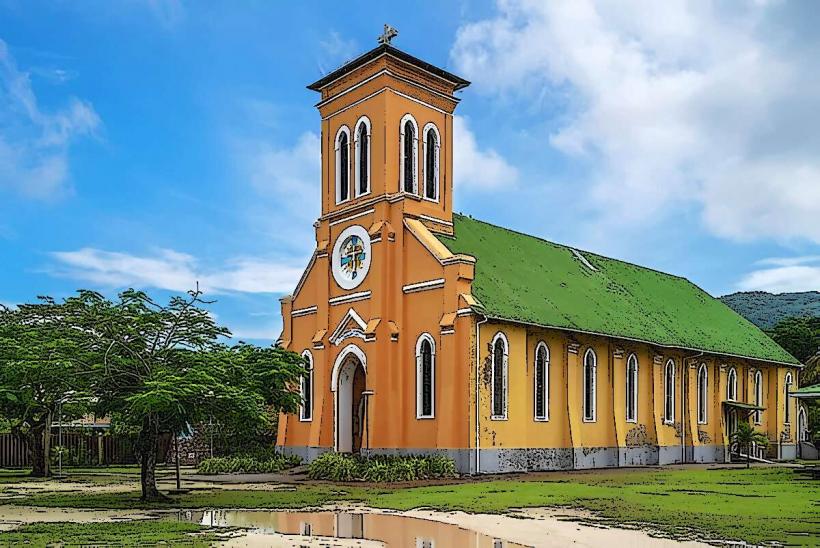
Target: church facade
[[427, 331]]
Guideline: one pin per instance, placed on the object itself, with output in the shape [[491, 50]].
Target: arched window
[[731, 385], [499, 377], [787, 389], [632, 388], [362, 156], [758, 396], [306, 389], [432, 146], [409, 155], [425, 377], [342, 165], [590, 378], [542, 382], [669, 392], [802, 425], [703, 393]]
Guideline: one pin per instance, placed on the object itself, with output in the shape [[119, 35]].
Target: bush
[[381, 468], [248, 464]]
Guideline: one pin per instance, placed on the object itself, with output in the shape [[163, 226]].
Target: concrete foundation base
[[495, 461]]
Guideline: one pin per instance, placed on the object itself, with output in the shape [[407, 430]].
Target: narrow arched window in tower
[[632, 388], [342, 165], [703, 391], [669, 392], [542, 386], [590, 379], [363, 157], [425, 377], [409, 159], [431, 161], [499, 380], [758, 396]]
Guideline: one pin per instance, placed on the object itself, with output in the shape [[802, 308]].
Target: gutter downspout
[[477, 396], [684, 383]]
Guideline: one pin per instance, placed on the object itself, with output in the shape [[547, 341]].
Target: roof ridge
[[571, 248]]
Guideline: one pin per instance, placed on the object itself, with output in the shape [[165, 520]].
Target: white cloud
[[167, 12], [34, 145], [786, 275], [336, 51], [174, 271], [674, 103], [474, 168]]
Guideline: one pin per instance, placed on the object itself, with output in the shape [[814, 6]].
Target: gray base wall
[[496, 461], [788, 451]]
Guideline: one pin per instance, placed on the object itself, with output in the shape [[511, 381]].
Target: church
[[427, 332]]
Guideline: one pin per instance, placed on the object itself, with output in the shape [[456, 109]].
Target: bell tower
[[387, 135]]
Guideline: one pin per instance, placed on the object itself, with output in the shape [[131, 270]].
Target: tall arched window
[[632, 388], [731, 385], [342, 165], [499, 377], [432, 145], [409, 155], [425, 377], [802, 425], [669, 392], [786, 389], [590, 378], [362, 156], [758, 396], [542, 382], [306, 389], [703, 393]]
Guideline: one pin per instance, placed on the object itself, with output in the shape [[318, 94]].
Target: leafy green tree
[[746, 436], [44, 368], [163, 368], [799, 335]]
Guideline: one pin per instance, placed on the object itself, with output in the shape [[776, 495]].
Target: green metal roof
[[807, 392], [525, 279]]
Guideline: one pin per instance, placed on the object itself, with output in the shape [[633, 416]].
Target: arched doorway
[[349, 382], [802, 425]]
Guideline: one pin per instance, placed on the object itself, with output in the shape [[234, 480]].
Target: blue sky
[[149, 143]]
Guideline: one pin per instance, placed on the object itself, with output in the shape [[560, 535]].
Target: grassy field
[[134, 533], [756, 505]]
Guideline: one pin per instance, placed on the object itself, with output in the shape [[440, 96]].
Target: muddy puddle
[[389, 529]]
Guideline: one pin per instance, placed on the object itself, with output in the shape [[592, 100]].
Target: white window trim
[[594, 398], [505, 372], [546, 416], [634, 418], [666, 392], [758, 415], [705, 396], [338, 156], [366, 121], [731, 385], [787, 382], [419, 385], [436, 175], [302, 408], [404, 119]]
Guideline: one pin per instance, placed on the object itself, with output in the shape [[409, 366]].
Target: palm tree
[[746, 436]]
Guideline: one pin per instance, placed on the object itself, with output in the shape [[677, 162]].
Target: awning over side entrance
[[748, 407], [807, 392]]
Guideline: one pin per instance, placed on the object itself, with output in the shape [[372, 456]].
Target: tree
[[746, 436], [162, 368], [44, 366], [799, 335]]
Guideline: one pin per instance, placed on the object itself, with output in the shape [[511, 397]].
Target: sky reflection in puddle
[[391, 529]]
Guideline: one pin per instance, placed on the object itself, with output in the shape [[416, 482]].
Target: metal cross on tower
[[388, 34]]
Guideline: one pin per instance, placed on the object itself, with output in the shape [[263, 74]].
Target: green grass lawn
[[133, 533], [756, 505]]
